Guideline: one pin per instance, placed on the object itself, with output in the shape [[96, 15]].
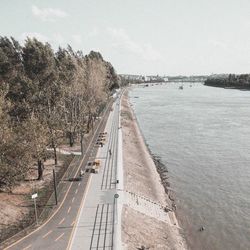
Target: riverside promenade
[[111, 210], [98, 223]]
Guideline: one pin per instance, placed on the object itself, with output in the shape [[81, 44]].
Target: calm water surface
[[203, 136]]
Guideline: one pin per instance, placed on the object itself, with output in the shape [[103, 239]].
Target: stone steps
[[147, 207]]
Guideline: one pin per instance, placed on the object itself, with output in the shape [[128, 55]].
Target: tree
[[96, 87], [45, 96], [68, 79], [38, 138], [112, 78], [10, 59], [40, 67], [14, 150]]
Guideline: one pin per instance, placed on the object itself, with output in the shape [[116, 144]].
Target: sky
[[149, 37]]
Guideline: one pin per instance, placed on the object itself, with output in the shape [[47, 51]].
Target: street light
[[34, 196], [54, 181], [114, 218]]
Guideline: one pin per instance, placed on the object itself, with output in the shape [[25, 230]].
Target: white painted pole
[[35, 211]]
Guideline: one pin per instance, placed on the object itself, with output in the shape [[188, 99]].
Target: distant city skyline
[[144, 37]]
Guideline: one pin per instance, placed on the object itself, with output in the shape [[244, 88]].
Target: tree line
[[241, 81], [45, 97]]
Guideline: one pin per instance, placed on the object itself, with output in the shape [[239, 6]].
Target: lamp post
[[34, 196], [114, 218], [54, 181]]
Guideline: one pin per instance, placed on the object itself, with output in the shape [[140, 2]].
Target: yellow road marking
[[78, 213], [60, 236], [76, 191], [47, 234], [29, 246], [73, 199], [61, 221], [79, 183], [72, 223], [69, 209]]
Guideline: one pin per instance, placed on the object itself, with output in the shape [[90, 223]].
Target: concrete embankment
[[148, 219]]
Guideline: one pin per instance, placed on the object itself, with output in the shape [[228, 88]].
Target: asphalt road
[[61, 230]]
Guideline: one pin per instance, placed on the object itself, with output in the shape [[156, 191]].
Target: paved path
[[65, 152]]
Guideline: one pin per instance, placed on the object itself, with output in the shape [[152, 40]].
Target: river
[[202, 135]]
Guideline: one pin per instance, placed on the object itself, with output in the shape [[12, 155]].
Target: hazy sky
[[141, 36]]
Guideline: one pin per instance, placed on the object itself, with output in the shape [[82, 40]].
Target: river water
[[202, 135]]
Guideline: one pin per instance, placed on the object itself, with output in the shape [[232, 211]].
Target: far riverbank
[[228, 86]]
